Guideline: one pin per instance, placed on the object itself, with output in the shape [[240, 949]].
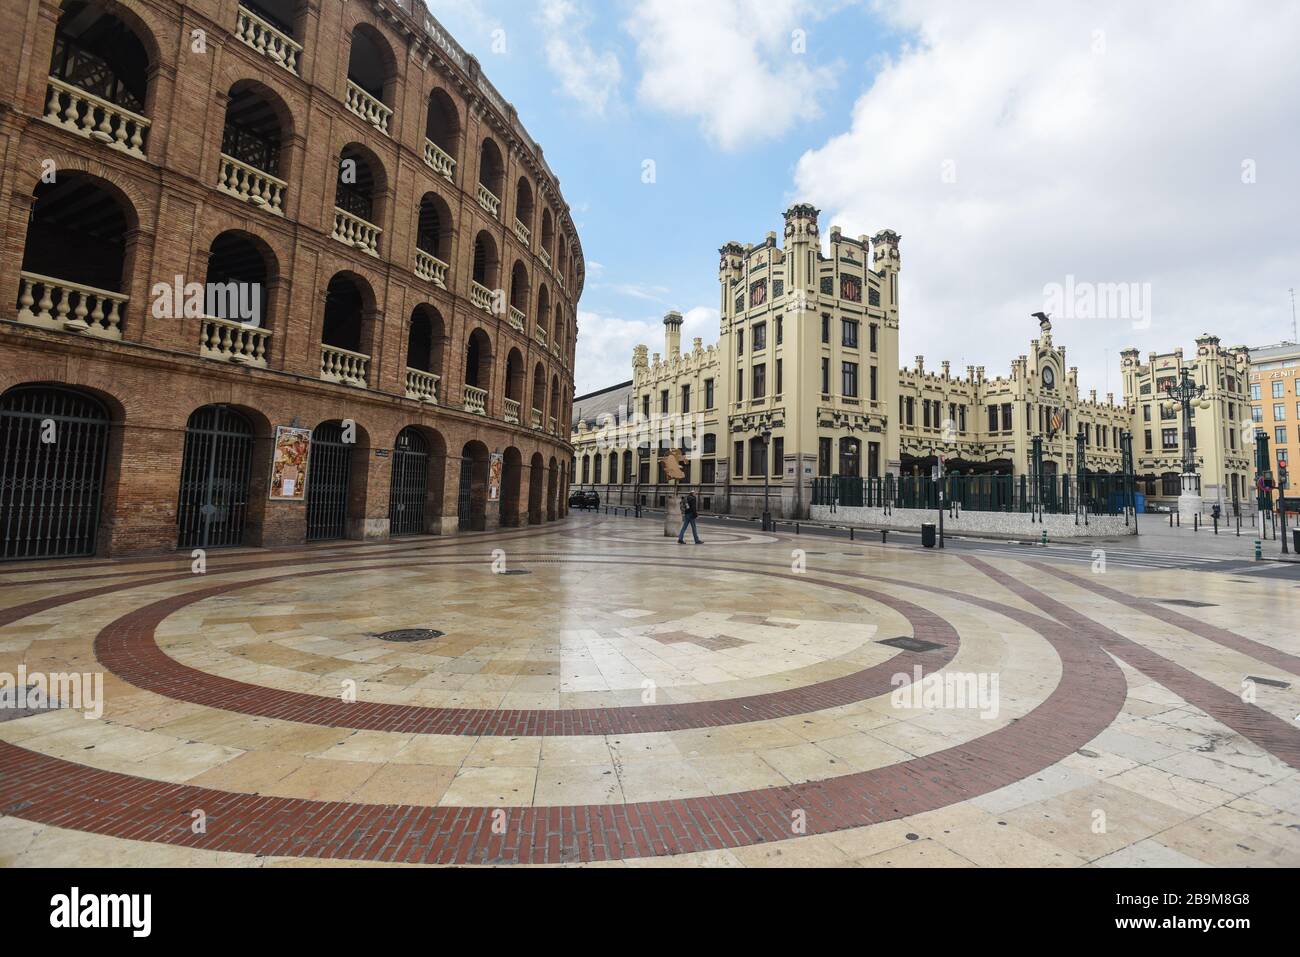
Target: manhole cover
[[410, 634], [1185, 603], [911, 644]]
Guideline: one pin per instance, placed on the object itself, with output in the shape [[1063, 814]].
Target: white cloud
[[605, 343], [589, 77], [1103, 141], [729, 63]]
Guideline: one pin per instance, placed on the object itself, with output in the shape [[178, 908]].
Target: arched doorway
[[53, 445], [536, 476], [215, 471], [408, 492], [471, 498], [328, 483]]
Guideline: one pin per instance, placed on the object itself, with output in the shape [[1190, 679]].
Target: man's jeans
[[694, 531]]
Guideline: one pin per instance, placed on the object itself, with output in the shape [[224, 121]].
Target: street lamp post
[[767, 478], [1188, 395]]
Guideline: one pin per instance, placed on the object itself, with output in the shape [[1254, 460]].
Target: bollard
[[850, 533], [1259, 551], [1044, 538], [1196, 522], [1216, 525], [796, 528], [1179, 516], [884, 536], [1171, 519]]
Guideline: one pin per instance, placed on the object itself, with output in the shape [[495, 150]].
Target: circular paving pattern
[[248, 593]]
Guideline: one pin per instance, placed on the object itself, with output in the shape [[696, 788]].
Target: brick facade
[[153, 377]]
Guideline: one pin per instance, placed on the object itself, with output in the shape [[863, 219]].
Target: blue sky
[[1012, 145]]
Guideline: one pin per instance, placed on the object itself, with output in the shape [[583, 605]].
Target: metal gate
[[53, 444], [327, 483], [215, 473], [408, 489], [465, 498]]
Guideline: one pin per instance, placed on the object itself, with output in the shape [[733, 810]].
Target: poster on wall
[[494, 477], [289, 464]]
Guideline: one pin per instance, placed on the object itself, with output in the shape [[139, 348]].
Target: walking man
[[689, 515]]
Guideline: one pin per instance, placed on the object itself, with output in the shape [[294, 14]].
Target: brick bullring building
[[230, 224]]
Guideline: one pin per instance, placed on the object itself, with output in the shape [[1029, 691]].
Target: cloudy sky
[[1019, 149]]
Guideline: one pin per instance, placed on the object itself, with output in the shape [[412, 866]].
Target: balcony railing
[[545, 257], [69, 306], [540, 333], [355, 231], [87, 115], [488, 200], [340, 365], [523, 232], [422, 386], [430, 267], [267, 40], [559, 277], [439, 160], [512, 411], [481, 296], [517, 319], [251, 185], [554, 426], [227, 341], [475, 400], [537, 419], [369, 108]]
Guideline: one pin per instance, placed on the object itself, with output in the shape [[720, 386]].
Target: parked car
[[584, 499]]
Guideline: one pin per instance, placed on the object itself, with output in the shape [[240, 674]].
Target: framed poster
[[495, 468], [289, 464]]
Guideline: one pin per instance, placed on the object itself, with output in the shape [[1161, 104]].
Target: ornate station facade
[[805, 381], [274, 272]]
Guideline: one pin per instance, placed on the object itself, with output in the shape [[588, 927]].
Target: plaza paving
[[622, 700]]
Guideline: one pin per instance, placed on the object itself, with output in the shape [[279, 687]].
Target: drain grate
[[410, 634], [1185, 603], [911, 644], [515, 571]]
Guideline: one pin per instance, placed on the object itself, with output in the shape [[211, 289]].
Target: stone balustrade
[[340, 365], [488, 200], [355, 231], [545, 257], [87, 115], [227, 341], [475, 400], [250, 184], [481, 296], [517, 319], [69, 307], [540, 332], [267, 40], [422, 386], [439, 160], [512, 412], [430, 267], [369, 108], [524, 234], [537, 419]]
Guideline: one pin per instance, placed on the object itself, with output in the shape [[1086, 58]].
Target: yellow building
[[808, 356], [1275, 400]]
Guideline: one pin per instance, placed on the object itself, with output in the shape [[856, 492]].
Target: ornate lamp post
[[1187, 395]]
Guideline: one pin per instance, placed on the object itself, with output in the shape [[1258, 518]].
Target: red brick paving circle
[[1085, 701], [127, 648]]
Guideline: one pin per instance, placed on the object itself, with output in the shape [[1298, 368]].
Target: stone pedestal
[[1190, 502], [672, 514]]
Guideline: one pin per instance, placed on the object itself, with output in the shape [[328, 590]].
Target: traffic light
[[1282, 481]]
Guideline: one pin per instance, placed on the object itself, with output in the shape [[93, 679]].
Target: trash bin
[[928, 535]]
